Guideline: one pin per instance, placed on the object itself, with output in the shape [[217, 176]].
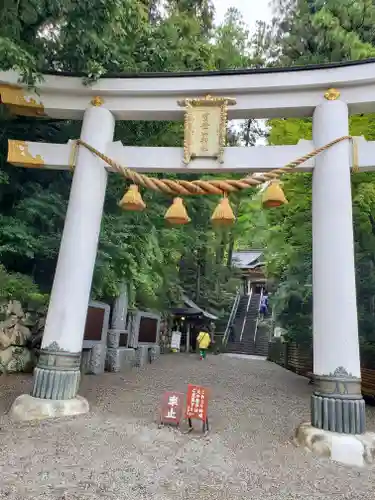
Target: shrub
[[16, 286]]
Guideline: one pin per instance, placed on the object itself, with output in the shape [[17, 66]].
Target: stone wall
[[20, 330]]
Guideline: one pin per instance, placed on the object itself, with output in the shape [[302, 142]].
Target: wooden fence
[[295, 357], [299, 359]]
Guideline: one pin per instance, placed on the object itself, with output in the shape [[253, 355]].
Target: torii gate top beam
[[260, 93]]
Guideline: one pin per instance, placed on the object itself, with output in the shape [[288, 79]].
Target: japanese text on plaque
[[197, 402], [205, 134]]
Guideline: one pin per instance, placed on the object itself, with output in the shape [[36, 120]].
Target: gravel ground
[[118, 452]]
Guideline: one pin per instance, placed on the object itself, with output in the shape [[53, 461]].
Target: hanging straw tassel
[[176, 213], [273, 195], [132, 200], [223, 214]]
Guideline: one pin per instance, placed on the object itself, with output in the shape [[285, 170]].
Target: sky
[[252, 10]]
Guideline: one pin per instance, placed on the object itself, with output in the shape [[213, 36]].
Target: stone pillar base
[[57, 375], [350, 449], [26, 408], [337, 404], [345, 416]]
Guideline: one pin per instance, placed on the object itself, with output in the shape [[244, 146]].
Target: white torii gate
[[337, 405]]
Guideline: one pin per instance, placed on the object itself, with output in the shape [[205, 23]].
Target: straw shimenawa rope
[[181, 187]]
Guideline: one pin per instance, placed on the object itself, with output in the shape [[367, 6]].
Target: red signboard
[[172, 404], [197, 402]]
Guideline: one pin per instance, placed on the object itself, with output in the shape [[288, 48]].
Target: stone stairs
[[241, 340], [262, 342]]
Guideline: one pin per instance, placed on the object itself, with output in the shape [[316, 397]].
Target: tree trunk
[[198, 283]]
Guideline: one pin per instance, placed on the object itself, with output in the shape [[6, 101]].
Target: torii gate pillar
[[337, 405], [57, 375]]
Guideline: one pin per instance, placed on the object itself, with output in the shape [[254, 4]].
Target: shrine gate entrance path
[[117, 451]]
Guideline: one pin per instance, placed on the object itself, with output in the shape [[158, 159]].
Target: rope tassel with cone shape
[[223, 214], [132, 200], [273, 195], [176, 213]]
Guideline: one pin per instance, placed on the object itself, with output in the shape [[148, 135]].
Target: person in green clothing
[[204, 341]]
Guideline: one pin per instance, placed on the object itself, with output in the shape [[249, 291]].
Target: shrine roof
[[246, 259], [192, 309], [188, 302]]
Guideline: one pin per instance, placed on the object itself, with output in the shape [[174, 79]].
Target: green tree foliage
[[93, 38], [232, 42], [290, 236], [199, 10], [315, 31], [307, 32], [289, 240], [15, 286]]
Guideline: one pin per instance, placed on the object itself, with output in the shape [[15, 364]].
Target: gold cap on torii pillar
[[332, 94]]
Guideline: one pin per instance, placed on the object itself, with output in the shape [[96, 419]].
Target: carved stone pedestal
[[155, 353], [57, 375], [120, 359], [54, 394], [337, 428], [93, 360], [337, 404], [142, 355]]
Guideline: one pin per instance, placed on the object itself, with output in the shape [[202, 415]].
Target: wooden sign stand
[[205, 427], [197, 406], [171, 409]]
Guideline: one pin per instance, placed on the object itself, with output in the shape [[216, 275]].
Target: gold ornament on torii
[[21, 102], [332, 94]]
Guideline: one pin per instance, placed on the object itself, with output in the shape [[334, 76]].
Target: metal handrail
[[231, 316], [257, 321], [247, 310]]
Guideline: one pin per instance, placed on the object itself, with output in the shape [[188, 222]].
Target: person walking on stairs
[[263, 310], [204, 341]]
